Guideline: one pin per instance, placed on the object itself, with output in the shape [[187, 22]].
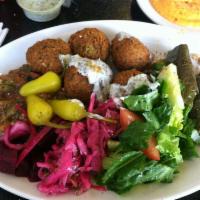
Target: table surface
[[80, 10]]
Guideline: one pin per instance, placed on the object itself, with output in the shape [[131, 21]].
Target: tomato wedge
[[127, 117], [151, 152]]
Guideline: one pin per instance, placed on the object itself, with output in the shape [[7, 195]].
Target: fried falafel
[[77, 86], [128, 52], [90, 43], [125, 82], [123, 76], [84, 76], [43, 56]]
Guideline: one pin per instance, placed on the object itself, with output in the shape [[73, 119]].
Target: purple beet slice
[[8, 159]]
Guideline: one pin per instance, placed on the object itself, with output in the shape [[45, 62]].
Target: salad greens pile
[[166, 118]]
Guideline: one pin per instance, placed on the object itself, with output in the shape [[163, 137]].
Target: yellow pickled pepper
[[39, 111], [48, 82], [71, 110]]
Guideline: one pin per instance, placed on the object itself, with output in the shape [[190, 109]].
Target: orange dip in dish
[[181, 12]]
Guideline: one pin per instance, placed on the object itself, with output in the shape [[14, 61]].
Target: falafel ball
[[43, 56], [125, 82], [128, 52], [84, 76], [123, 76], [77, 86], [90, 43]]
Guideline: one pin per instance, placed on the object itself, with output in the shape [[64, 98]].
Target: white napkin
[[3, 33]]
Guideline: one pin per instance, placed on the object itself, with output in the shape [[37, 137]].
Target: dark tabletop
[[80, 10]]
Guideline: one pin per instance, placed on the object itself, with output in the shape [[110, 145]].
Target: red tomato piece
[[127, 117], [151, 152]]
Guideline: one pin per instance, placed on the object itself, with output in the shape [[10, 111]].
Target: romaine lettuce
[[134, 168], [172, 91], [143, 102]]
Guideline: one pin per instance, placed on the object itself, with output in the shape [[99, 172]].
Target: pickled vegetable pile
[[71, 133]]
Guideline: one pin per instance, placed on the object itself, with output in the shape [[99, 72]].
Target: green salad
[[159, 132]]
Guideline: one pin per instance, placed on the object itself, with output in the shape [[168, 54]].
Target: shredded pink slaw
[[78, 153]]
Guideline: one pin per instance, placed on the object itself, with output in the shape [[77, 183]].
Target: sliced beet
[[32, 143], [8, 159], [27, 168], [33, 174], [23, 169]]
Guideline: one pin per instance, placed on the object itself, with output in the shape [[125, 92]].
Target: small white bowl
[[41, 15]]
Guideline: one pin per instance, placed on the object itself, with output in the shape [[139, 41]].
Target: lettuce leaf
[[119, 162], [137, 135], [160, 115], [143, 102], [187, 145], [168, 144], [152, 119], [163, 112], [169, 136], [134, 168], [172, 91]]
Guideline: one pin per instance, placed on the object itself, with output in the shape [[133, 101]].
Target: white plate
[[158, 39], [149, 10]]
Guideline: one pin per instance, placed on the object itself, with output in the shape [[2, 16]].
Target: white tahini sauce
[[123, 35], [117, 90], [39, 5], [98, 73]]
